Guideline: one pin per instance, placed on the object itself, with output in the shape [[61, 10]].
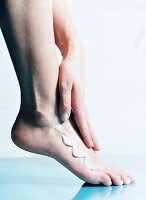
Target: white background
[[114, 35]]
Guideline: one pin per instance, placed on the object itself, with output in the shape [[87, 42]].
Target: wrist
[[67, 45]]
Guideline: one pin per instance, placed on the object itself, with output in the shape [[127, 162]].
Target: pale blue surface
[[45, 179]]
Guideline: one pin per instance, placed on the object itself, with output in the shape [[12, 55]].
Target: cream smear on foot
[[69, 141]]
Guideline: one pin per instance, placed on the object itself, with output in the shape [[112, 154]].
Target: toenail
[[128, 181], [120, 182], [110, 183]]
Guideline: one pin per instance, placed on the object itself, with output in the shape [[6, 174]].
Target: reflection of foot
[[39, 138], [88, 192]]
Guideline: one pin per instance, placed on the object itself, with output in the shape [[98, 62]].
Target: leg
[[28, 32], [30, 40]]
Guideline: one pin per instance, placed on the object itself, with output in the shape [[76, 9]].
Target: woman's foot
[[37, 71], [34, 135]]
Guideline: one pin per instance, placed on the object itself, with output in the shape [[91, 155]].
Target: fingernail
[[97, 148], [91, 145], [64, 117]]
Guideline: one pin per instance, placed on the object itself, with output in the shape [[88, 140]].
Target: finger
[[80, 118], [65, 101], [96, 146]]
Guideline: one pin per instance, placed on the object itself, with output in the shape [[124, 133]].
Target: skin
[[71, 74], [29, 35]]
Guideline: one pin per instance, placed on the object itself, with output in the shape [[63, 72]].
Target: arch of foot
[[68, 140]]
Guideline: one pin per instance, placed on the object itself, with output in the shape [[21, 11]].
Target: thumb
[[65, 103]]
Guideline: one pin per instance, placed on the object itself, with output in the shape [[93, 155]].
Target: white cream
[[69, 141]]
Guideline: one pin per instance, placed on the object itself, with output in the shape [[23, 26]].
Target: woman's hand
[[71, 75], [71, 86]]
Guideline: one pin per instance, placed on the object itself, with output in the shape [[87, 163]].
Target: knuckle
[[63, 86], [66, 106]]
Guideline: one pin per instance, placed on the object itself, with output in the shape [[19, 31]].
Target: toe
[[115, 177], [104, 179], [125, 179], [131, 177]]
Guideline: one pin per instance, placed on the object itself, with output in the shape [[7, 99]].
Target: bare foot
[[64, 143], [37, 71]]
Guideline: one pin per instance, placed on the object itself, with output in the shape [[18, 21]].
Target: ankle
[[38, 118]]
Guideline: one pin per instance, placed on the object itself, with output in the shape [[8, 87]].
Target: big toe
[[104, 179]]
